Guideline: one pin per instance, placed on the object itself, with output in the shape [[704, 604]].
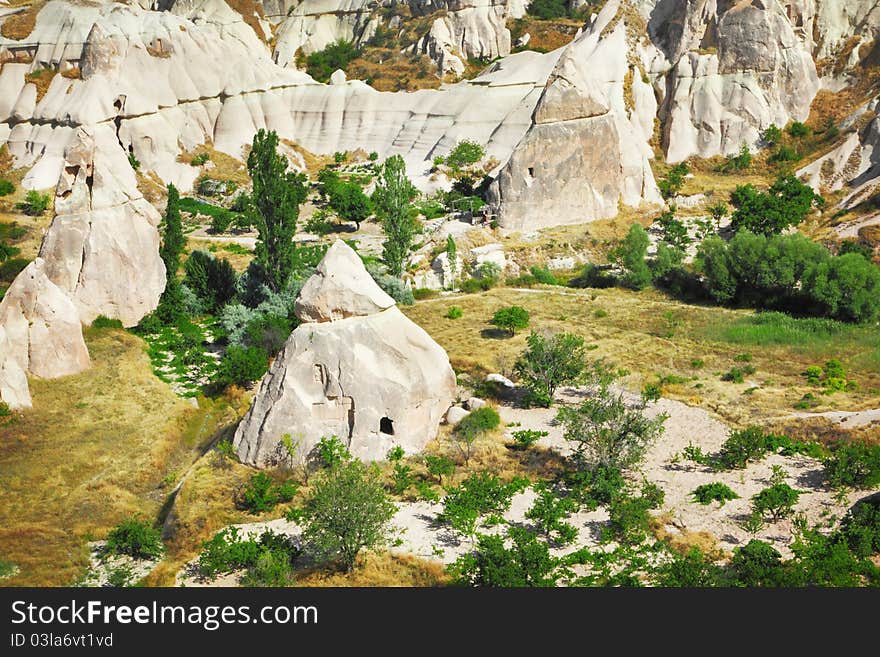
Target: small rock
[[338, 77], [503, 380], [456, 414], [474, 403]]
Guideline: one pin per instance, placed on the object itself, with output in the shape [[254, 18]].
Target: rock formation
[[587, 149], [356, 368], [100, 256]]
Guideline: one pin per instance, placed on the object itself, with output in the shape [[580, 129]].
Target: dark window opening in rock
[[532, 172], [386, 426]]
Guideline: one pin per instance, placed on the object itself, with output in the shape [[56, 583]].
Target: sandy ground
[[419, 533], [100, 566]]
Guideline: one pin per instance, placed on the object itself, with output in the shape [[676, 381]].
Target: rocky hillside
[[102, 100]]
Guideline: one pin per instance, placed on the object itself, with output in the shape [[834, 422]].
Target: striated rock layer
[[372, 378]]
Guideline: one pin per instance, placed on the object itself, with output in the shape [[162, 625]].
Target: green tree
[[511, 318], [242, 365], [274, 209], [392, 198], [347, 510], [211, 279], [606, 430], [630, 257], [550, 360], [674, 180], [674, 231], [452, 258], [786, 203], [171, 303], [349, 202]]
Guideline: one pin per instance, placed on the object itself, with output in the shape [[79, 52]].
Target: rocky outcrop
[[40, 334], [728, 70], [340, 288], [100, 256], [373, 378], [854, 164], [587, 149]]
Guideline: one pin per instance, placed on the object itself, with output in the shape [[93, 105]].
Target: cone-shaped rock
[[357, 369], [340, 288]]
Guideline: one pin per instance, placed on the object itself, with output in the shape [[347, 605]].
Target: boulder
[[456, 414], [474, 403], [340, 288], [366, 374], [500, 379]]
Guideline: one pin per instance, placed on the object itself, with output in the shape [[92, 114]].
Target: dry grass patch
[[635, 334], [379, 569], [544, 35], [19, 26], [42, 80], [97, 447], [387, 69]]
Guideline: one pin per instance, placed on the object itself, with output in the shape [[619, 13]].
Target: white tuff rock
[[372, 378]]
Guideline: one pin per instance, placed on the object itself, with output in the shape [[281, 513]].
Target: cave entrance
[[386, 426]]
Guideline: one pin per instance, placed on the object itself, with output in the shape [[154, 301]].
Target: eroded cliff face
[[587, 150], [100, 256]]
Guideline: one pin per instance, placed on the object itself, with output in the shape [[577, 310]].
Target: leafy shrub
[[478, 422], [396, 453], [854, 464], [34, 204], [454, 312], [511, 318], [227, 551], [261, 493], [104, 322], [524, 439], [629, 255], [213, 280], [784, 153], [547, 9], [777, 500], [477, 496], [332, 452], [629, 520], [6, 187], [714, 492], [798, 129], [596, 487], [347, 511], [440, 466], [242, 365], [5, 411], [544, 276], [199, 159], [135, 538], [473, 285], [134, 162], [527, 562], [786, 203], [401, 478], [789, 272], [321, 64], [860, 527], [549, 512], [466, 152], [739, 162], [757, 564], [740, 448], [672, 183], [550, 361], [771, 135]]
